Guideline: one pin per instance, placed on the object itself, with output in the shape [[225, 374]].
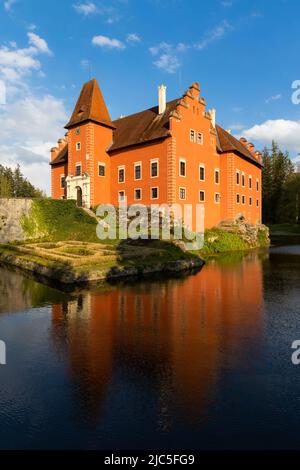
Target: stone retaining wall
[[11, 212]]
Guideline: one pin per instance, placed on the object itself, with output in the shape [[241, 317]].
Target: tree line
[[14, 184], [280, 187]]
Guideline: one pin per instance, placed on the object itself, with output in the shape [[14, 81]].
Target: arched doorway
[[79, 196]]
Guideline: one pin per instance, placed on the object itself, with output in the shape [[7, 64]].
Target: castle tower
[[90, 133]]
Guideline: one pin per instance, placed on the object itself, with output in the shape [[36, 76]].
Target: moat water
[[200, 362]]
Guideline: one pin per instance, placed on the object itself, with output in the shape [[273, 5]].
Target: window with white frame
[[201, 196], [154, 193], [121, 196], [237, 198], [250, 182], [257, 185], [137, 171], [243, 200], [154, 168], [137, 194], [101, 169], [243, 179], [182, 193], [192, 135], [217, 176], [199, 138], [217, 198], [121, 175], [78, 146], [182, 167], [78, 169], [202, 173], [237, 177]]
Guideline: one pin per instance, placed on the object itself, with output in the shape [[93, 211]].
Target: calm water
[[201, 362]]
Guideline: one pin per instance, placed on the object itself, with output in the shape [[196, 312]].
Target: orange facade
[[174, 155]]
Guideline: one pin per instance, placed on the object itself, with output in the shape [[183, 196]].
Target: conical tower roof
[[90, 106]]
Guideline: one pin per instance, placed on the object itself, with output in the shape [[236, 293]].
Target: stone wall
[[11, 212]]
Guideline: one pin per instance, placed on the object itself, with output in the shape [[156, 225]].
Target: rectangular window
[[250, 182], [199, 138], [192, 135], [182, 193], [243, 200], [217, 176], [62, 182], [121, 196], [250, 201], [237, 177], [257, 203], [257, 185], [137, 194], [237, 198], [154, 193], [121, 176], [243, 179], [202, 196], [137, 171], [78, 146], [101, 169], [182, 168], [202, 173], [78, 170], [154, 169], [217, 198]]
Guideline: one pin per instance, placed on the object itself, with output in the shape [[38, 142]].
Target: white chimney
[[213, 117], [162, 101]]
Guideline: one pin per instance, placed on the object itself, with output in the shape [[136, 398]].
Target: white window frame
[[78, 146], [123, 192], [140, 165], [77, 165], [202, 191], [257, 185], [192, 139], [243, 180], [238, 198], [202, 166], [243, 199], [61, 177], [182, 160], [101, 164], [217, 170], [219, 201], [154, 187], [182, 198], [154, 160], [200, 141], [250, 179], [122, 167], [138, 189], [236, 180]]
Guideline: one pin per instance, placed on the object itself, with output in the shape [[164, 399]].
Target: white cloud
[[285, 132], [29, 128], [133, 37], [86, 9], [39, 43], [213, 35], [163, 46], [273, 98], [106, 42], [8, 4], [168, 62]]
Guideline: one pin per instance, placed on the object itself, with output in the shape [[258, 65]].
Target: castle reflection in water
[[169, 337]]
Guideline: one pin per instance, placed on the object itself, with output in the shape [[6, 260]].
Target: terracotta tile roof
[[142, 127], [62, 157], [90, 106], [228, 143]]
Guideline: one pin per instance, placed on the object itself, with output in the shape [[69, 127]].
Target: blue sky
[[244, 54]]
